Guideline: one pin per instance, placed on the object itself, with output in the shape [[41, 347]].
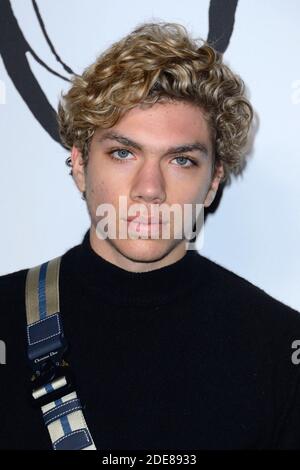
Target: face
[[154, 156]]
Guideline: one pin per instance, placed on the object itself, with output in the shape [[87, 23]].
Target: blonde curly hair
[[157, 62]]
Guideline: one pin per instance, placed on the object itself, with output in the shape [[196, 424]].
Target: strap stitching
[[68, 435], [76, 408], [59, 406], [48, 337]]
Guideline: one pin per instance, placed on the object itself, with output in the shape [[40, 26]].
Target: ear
[[78, 170], [218, 175]]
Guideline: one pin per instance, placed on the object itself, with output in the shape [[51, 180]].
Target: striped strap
[[53, 390]]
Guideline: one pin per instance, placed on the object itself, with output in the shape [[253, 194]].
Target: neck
[[122, 287]]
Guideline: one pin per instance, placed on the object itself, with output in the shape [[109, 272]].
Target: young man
[[169, 350]]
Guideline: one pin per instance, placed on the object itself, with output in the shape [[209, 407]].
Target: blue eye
[[123, 153], [186, 159]]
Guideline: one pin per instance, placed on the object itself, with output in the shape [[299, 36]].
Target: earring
[[83, 196]]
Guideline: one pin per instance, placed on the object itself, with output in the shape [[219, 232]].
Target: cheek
[[202, 186], [192, 193], [201, 194], [100, 191]]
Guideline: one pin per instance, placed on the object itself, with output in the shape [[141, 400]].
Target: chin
[[143, 251]]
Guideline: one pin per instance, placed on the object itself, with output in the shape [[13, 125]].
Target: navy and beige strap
[[53, 388]]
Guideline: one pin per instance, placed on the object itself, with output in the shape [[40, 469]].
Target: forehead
[[162, 122]]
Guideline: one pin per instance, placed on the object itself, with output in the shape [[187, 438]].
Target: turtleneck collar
[[122, 287]]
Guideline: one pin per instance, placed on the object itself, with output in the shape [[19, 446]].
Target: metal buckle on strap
[[46, 350], [46, 378]]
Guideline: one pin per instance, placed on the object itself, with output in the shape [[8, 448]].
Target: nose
[[149, 184]]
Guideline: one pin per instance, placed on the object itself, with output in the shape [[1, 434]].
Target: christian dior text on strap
[[52, 382]]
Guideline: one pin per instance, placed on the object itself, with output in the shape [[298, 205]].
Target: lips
[[143, 228], [145, 221]]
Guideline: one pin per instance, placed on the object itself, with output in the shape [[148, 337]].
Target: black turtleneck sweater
[[189, 356]]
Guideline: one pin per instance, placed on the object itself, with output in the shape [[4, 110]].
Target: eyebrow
[[189, 147]]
